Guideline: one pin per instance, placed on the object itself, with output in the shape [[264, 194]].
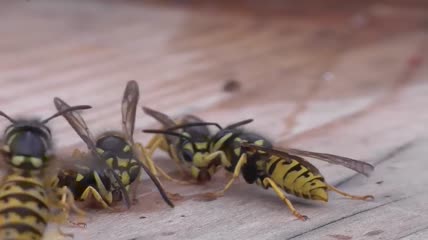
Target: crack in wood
[[414, 232], [349, 216]]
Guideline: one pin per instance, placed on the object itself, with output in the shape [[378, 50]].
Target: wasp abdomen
[[23, 208], [296, 179]]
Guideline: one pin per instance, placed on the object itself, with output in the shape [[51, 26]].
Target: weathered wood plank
[[346, 78]]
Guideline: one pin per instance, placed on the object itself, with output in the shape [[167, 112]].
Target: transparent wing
[[356, 165], [77, 123], [165, 120], [129, 109]]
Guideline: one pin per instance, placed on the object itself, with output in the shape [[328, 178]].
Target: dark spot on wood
[[142, 217], [167, 233], [387, 196], [373, 233], [231, 85], [340, 237], [183, 216], [205, 197], [379, 182]]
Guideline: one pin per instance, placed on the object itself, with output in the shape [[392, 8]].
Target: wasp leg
[[223, 159], [242, 160], [92, 191], [159, 142], [267, 182], [207, 162], [67, 202], [146, 160], [156, 170], [169, 178], [177, 161], [347, 195], [67, 199]]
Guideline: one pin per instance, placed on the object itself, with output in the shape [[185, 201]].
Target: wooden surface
[[346, 77]]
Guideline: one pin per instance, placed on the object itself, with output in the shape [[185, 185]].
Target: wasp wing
[[129, 109], [77, 122], [165, 120], [356, 165]]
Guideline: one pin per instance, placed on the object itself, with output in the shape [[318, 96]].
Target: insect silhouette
[[251, 155], [114, 161], [27, 199]]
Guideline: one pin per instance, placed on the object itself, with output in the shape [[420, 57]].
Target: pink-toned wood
[[348, 78]]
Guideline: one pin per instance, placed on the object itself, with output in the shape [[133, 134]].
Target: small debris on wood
[[340, 237], [379, 182], [231, 85], [373, 233], [205, 197], [175, 196], [142, 217]]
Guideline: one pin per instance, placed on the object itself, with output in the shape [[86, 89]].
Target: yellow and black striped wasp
[[114, 161], [27, 199], [252, 155], [177, 141]]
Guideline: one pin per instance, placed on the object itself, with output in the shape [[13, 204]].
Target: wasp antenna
[[241, 123], [158, 185], [196, 124], [155, 131], [7, 117], [166, 132], [64, 111]]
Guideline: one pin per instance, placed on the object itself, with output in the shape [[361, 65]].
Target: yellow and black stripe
[[24, 210], [296, 179]]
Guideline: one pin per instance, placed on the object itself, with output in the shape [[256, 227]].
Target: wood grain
[[349, 78]]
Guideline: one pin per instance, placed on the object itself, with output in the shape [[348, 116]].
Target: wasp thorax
[[116, 145]]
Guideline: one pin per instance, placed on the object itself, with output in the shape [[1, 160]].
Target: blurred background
[[347, 77]]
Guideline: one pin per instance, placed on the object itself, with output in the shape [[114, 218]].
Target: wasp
[[255, 158], [27, 199], [114, 161], [184, 144], [187, 140]]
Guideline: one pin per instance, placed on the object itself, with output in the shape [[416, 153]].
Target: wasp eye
[[187, 155]]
